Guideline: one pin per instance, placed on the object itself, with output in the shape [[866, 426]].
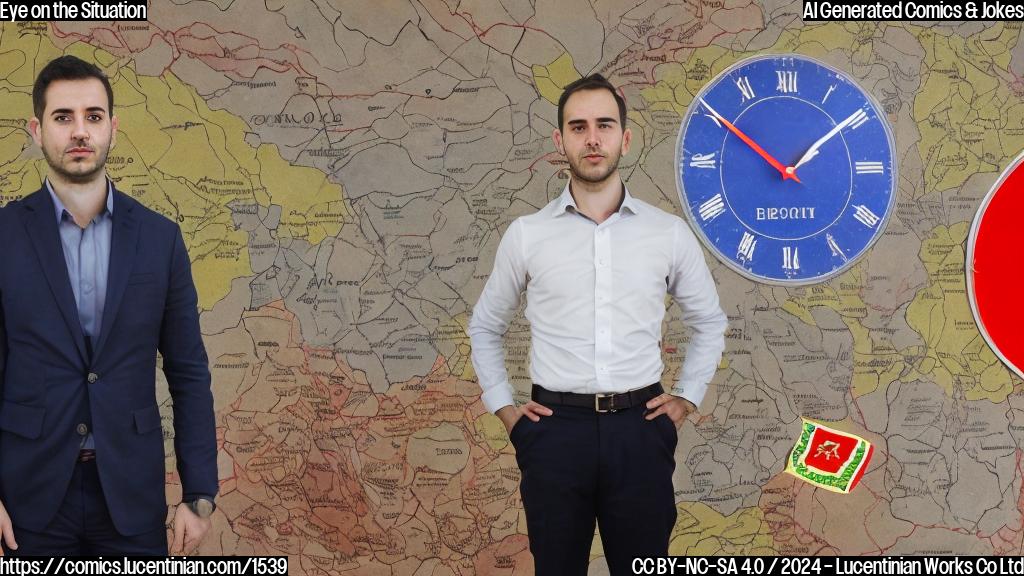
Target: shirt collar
[[59, 206], [566, 201]]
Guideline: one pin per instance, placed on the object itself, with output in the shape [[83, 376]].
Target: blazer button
[[93, 377], [82, 429]]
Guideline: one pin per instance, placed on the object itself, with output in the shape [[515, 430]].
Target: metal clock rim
[[887, 129], [969, 262]]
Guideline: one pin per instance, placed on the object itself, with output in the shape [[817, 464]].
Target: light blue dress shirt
[[87, 255]]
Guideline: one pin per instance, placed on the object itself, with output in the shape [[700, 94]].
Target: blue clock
[[786, 169]]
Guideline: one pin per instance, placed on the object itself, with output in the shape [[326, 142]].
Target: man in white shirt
[[597, 441]]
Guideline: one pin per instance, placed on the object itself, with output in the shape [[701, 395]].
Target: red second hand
[[787, 173]]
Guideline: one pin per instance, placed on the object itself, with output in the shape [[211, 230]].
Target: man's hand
[[509, 415], [677, 408], [189, 529], [7, 529]]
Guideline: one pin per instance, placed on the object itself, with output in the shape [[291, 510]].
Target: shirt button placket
[[602, 312]]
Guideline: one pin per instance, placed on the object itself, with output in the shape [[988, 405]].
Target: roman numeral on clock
[[790, 258], [712, 208], [745, 251], [703, 160], [830, 89], [743, 83], [834, 247], [787, 81], [869, 168], [865, 216]]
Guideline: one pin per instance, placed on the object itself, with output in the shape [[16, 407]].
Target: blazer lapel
[[40, 222], [123, 242]]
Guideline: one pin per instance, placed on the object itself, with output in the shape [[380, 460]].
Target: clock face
[[786, 168], [993, 267]]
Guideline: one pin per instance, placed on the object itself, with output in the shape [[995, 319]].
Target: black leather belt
[[607, 402]]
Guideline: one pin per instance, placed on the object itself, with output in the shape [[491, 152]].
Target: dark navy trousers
[[581, 468], [83, 527]]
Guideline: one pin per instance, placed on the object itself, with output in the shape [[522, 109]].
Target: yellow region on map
[[676, 83], [701, 531], [969, 118], [552, 78], [956, 356], [177, 156]]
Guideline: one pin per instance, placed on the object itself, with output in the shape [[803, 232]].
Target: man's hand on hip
[[677, 408], [189, 529], [7, 529], [509, 415]]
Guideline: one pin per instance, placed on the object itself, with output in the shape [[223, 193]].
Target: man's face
[[76, 130], [593, 140]]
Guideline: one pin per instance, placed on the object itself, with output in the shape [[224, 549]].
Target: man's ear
[[556, 135], [35, 129], [627, 138], [114, 123]]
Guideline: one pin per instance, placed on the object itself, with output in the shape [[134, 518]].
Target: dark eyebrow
[[70, 111], [607, 120]]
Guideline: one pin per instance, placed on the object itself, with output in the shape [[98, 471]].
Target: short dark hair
[[67, 68], [592, 82]]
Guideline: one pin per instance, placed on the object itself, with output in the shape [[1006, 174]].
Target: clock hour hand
[[787, 173], [813, 150]]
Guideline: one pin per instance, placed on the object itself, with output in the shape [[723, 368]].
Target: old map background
[[343, 170]]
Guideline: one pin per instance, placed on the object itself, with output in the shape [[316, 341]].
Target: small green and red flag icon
[[829, 458]]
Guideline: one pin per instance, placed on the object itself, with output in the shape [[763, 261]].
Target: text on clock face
[[791, 213]]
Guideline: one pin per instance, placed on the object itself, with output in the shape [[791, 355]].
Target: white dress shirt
[[595, 300]]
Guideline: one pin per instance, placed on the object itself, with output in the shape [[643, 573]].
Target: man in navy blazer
[[92, 285]]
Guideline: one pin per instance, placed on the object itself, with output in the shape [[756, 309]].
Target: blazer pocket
[[142, 278], [22, 419], [147, 419]]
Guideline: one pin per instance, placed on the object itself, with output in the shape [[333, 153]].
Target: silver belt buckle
[[597, 402]]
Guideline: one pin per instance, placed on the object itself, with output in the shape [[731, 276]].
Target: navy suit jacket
[[49, 385]]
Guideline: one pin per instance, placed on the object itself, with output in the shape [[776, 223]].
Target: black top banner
[[852, 10], [73, 10]]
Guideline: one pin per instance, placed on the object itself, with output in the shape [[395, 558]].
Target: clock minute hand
[[813, 150], [787, 173]]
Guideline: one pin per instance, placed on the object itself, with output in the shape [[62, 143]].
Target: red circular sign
[[995, 267]]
